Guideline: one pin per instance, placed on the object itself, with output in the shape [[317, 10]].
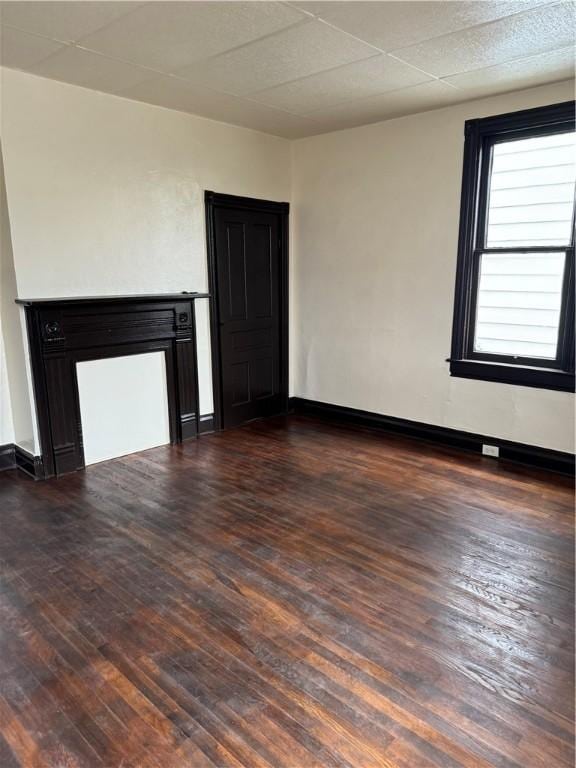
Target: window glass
[[532, 192], [518, 305]]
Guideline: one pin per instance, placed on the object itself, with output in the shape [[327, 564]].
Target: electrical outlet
[[491, 450]]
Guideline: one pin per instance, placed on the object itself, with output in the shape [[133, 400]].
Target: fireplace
[[65, 332]]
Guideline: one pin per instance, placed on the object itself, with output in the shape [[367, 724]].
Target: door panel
[[234, 275], [248, 269], [240, 383], [261, 272]]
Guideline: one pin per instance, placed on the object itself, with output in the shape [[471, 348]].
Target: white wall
[[374, 252], [16, 422], [6, 421], [105, 195]]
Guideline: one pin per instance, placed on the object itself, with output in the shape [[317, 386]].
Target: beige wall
[[105, 195], [16, 421], [374, 256], [6, 421]]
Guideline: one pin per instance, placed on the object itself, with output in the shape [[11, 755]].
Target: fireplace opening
[[123, 405]]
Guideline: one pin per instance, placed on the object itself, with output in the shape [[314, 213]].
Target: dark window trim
[[480, 135]]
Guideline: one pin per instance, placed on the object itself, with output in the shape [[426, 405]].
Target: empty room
[[287, 414]]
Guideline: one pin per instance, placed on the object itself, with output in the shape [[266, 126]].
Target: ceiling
[[294, 68]]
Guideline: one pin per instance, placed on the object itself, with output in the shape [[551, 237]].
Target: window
[[514, 305]]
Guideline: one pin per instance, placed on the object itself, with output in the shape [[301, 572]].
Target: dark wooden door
[[248, 272]]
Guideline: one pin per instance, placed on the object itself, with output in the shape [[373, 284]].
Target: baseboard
[[206, 424], [31, 465], [7, 457], [14, 457], [534, 456]]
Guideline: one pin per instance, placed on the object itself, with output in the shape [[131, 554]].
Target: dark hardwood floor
[[289, 594]]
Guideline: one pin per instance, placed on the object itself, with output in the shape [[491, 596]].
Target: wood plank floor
[[289, 594]]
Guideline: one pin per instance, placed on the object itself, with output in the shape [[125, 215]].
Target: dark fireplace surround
[[63, 332]]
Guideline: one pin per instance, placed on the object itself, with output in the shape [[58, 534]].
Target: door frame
[[212, 201]]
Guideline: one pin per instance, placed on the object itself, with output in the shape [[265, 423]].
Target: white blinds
[[531, 203]]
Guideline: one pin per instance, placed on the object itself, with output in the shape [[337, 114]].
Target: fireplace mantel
[[142, 298], [65, 331]]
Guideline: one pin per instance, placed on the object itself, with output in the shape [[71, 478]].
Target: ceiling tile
[[392, 25], [526, 34], [418, 98], [21, 50], [66, 21], [90, 70], [521, 73], [360, 79], [174, 93], [291, 74], [168, 36], [296, 52]]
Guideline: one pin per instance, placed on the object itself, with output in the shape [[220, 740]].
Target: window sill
[[541, 378]]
